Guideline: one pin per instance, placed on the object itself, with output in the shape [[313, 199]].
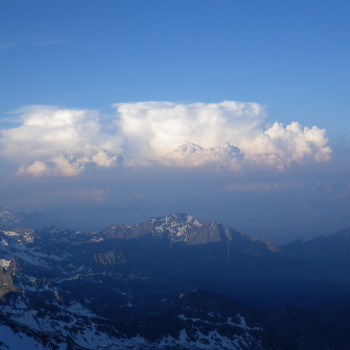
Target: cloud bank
[[61, 142], [228, 136]]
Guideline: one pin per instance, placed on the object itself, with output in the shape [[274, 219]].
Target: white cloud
[[156, 128], [228, 135], [191, 155], [56, 141], [200, 134], [58, 166], [105, 159], [36, 169]]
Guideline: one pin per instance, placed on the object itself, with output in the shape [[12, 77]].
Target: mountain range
[[171, 282]]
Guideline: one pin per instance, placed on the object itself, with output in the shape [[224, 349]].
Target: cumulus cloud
[[59, 166], [61, 142], [227, 135], [231, 134], [191, 155]]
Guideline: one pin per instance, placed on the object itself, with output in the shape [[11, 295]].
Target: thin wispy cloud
[[226, 136], [50, 41]]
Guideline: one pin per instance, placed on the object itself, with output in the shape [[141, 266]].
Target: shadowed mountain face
[[331, 253], [200, 315], [90, 288], [215, 257], [200, 319]]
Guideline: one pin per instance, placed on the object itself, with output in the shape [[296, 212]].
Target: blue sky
[[79, 134]]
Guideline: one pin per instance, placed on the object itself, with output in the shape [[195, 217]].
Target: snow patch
[[10, 233], [5, 263]]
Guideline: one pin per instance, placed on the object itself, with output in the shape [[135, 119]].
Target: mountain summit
[[182, 227]]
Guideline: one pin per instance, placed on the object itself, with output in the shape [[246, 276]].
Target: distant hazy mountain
[[10, 219], [119, 288]]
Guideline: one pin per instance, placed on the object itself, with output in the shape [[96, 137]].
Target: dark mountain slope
[[211, 256], [331, 253]]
